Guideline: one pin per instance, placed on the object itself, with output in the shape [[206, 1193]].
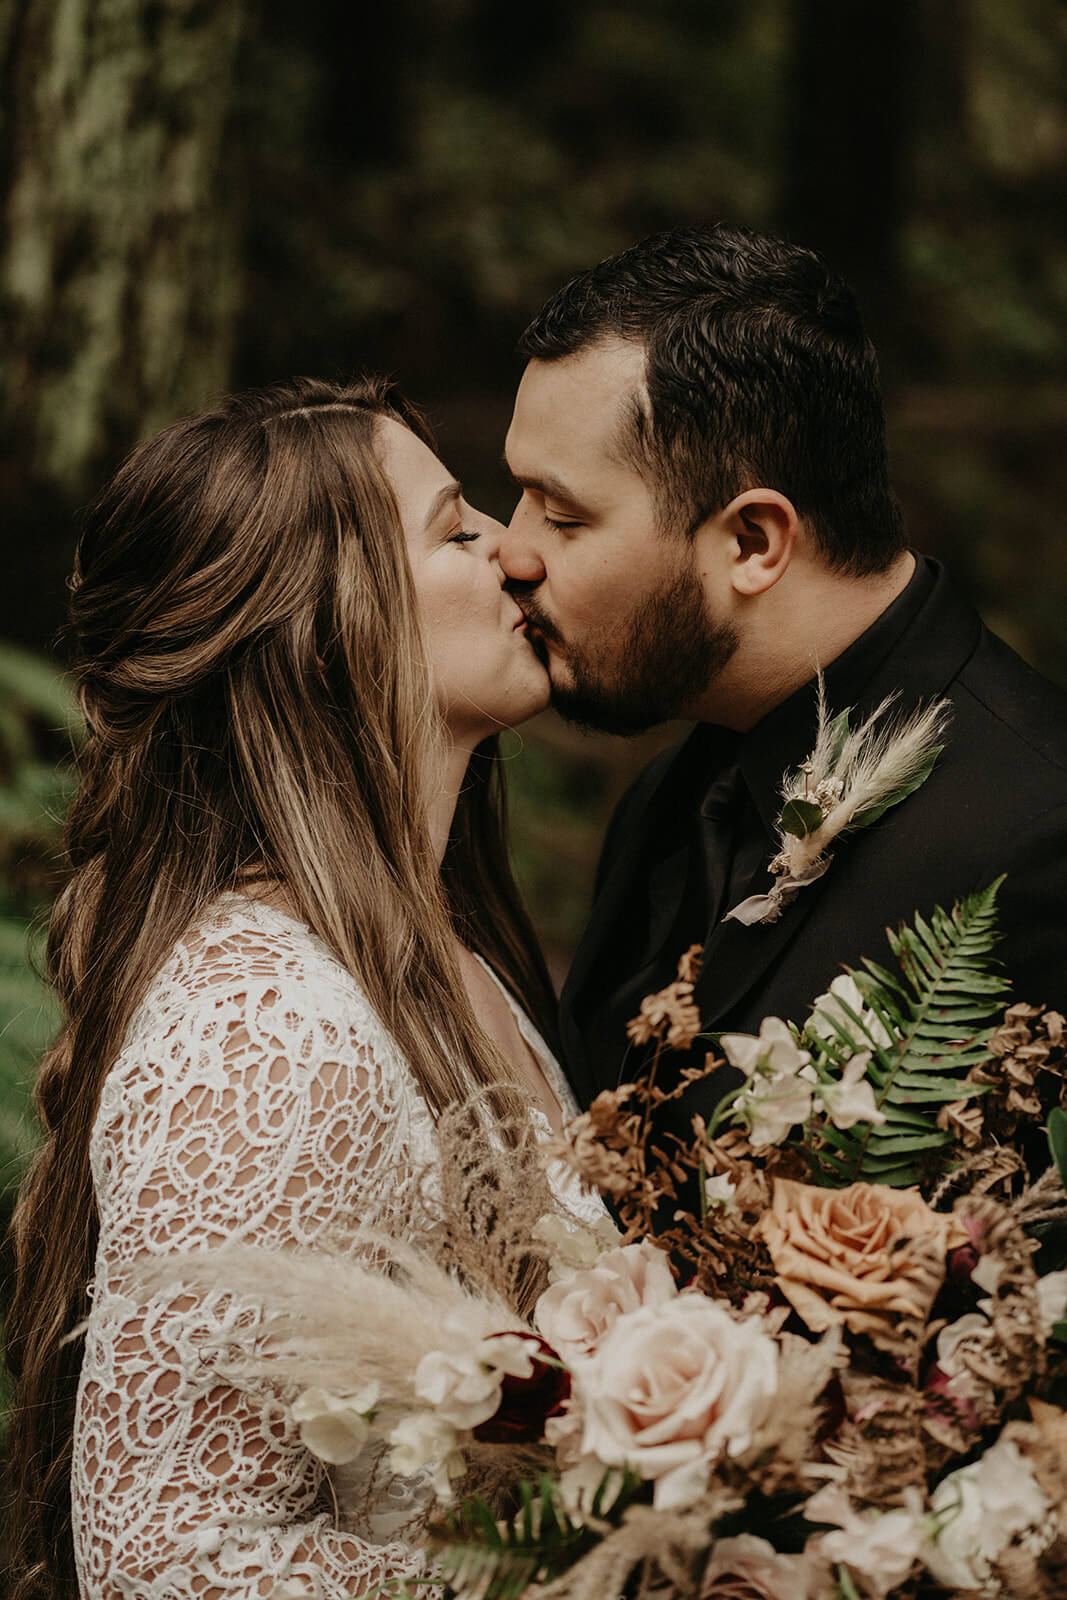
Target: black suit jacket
[[995, 803]]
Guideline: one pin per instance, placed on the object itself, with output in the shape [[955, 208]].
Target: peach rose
[[575, 1313], [841, 1254]]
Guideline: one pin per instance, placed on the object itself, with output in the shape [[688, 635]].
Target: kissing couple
[[291, 938]]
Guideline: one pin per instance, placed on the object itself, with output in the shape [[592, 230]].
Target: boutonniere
[[851, 778]]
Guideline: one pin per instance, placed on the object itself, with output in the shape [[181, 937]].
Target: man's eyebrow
[[546, 484], [450, 493]]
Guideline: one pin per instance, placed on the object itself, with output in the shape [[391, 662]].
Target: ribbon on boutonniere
[[852, 777]]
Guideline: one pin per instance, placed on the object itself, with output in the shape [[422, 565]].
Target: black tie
[[720, 813]]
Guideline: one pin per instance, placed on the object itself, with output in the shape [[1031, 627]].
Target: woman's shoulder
[[245, 950], [251, 998], [254, 1033]]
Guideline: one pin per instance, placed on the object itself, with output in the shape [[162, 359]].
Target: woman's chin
[[526, 701]]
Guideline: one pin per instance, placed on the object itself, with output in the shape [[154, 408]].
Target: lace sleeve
[[265, 1105]]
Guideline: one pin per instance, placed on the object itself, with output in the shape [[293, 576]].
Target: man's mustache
[[525, 598]]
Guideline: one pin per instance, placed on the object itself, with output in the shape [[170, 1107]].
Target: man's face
[[616, 606]]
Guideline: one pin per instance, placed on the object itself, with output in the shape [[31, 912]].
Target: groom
[[706, 519]]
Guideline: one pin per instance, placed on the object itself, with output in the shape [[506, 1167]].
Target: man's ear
[[762, 526]]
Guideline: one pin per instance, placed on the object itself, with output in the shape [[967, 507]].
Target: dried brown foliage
[[1025, 1072], [485, 1197], [1015, 1355], [670, 1016], [880, 1444]]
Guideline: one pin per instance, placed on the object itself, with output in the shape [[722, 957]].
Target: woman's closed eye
[[463, 537]]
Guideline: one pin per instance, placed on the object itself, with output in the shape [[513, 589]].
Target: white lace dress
[[257, 1100]]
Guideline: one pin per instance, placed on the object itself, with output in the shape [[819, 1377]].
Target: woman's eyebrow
[[445, 496]]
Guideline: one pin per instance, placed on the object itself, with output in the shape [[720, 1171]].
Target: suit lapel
[[736, 957], [648, 858]]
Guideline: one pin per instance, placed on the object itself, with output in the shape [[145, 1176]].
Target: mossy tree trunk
[[118, 275]]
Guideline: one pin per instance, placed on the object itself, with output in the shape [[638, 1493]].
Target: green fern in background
[[38, 725], [38, 722]]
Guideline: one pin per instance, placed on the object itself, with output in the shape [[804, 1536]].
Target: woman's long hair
[[246, 643]]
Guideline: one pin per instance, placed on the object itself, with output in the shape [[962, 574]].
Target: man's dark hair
[[758, 373]]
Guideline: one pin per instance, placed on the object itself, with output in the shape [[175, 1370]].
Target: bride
[[291, 937]]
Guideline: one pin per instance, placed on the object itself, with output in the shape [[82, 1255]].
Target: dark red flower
[[962, 1261], [527, 1403], [938, 1399]]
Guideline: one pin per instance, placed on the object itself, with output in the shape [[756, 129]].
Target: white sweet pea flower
[[720, 1191], [978, 1511], [774, 1109], [335, 1427], [829, 1008], [1052, 1300], [462, 1390], [463, 1385], [986, 1274], [882, 1545], [781, 1081], [574, 1245], [422, 1440], [851, 1098], [773, 1053]]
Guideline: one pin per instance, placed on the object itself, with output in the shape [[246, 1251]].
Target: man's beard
[[666, 654]]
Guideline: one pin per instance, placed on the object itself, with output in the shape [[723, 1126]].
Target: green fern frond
[[29, 1019], [481, 1558], [939, 1015]]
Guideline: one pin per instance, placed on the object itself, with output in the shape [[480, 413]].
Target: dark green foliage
[[800, 817], [939, 1014], [495, 1560], [863, 819], [37, 722], [1057, 1140]]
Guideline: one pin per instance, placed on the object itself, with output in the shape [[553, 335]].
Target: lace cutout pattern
[[258, 1100]]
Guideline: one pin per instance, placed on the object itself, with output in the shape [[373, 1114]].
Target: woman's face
[[485, 672]]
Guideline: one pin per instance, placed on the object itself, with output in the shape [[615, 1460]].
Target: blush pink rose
[[671, 1388], [575, 1314]]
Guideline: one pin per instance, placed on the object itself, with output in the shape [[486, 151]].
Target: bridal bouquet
[[840, 1370]]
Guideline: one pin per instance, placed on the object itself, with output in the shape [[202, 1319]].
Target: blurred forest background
[[200, 194]]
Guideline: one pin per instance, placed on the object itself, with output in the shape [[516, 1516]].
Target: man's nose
[[519, 556]]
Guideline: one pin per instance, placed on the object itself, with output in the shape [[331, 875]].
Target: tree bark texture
[[118, 268]]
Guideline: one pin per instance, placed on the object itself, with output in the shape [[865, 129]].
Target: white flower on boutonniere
[[851, 778]]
